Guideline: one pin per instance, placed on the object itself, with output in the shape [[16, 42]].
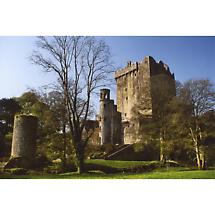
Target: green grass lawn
[[170, 174], [173, 173], [109, 166], [103, 169], [120, 164]]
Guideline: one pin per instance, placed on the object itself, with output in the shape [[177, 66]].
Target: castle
[[137, 82]]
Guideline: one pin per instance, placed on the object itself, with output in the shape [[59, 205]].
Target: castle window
[[125, 89], [125, 114], [126, 98]]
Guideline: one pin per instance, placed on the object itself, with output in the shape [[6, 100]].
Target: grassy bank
[[170, 174], [109, 166], [103, 169]]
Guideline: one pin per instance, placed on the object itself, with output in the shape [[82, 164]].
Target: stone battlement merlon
[[163, 68], [128, 69]]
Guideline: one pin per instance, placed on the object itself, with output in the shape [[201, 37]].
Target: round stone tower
[[105, 116], [24, 137]]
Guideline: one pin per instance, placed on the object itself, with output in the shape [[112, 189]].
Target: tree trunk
[[79, 153], [203, 161], [80, 163], [64, 146], [80, 166], [162, 153], [197, 150], [202, 151], [198, 158], [162, 156]]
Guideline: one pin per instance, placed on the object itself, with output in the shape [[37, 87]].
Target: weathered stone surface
[[138, 81], [24, 136], [24, 142], [109, 120]]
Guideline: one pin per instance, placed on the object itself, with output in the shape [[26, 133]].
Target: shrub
[[17, 171], [58, 168], [41, 161]]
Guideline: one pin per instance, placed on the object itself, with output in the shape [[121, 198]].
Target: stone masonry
[[134, 84], [109, 120]]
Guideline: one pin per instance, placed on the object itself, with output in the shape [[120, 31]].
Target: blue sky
[[187, 57]]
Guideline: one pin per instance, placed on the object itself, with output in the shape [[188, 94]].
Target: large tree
[[8, 108], [31, 103], [53, 98], [82, 64], [199, 95], [154, 125]]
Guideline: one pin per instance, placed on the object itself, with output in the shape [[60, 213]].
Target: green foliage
[[16, 171], [41, 161], [180, 124], [54, 147], [149, 149], [48, 129], [8, 109], [32, 104], [60, 168], [194, 118], [94, 151], [53, 141]]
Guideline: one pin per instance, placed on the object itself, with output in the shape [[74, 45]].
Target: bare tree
[[82, 65], [200, 95]]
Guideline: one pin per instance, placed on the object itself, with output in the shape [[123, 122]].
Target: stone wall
[[23, 143], [109, 120], [132, 83], [135, 84], [24, 136]]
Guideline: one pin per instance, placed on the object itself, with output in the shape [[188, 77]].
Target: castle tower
[[139, 82], [110, 120], [105, 116], [116, 126]]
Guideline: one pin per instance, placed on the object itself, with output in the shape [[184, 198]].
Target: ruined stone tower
[[24, 136], [24, 142], [109, 120], [138, 84]]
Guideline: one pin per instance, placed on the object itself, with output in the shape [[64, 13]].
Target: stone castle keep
[[137, 82]]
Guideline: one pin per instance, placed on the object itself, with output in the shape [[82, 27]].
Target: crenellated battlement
[[158, 67], [130, 67]]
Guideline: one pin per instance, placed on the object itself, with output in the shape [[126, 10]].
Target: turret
[[105, 116], [104, 94]]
